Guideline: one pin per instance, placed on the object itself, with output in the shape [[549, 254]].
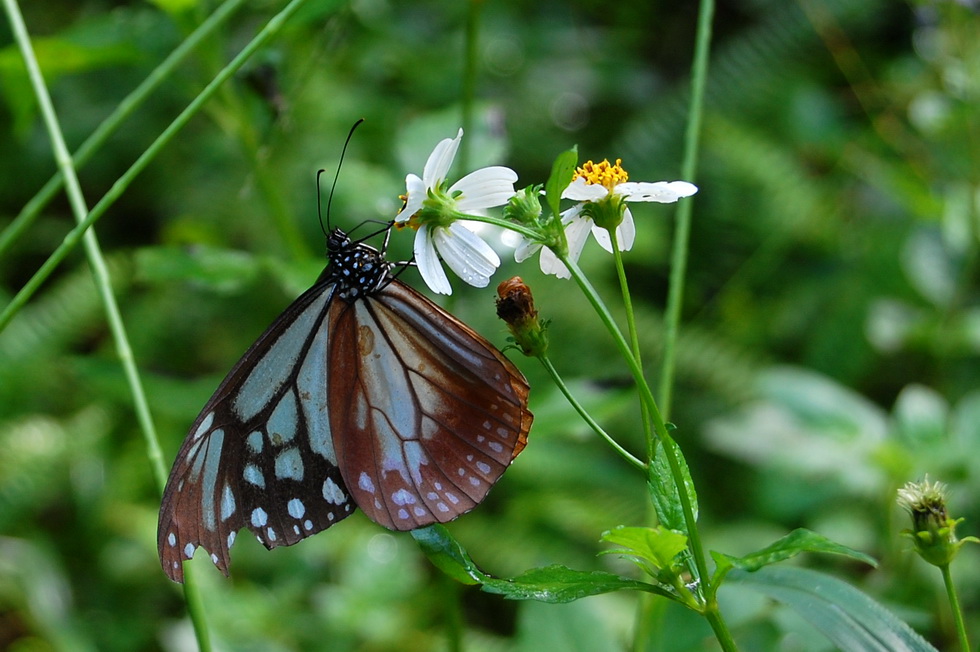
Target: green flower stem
[[470, 57], [496, 221], [103, 283], [126, 107], [660, 427], [563, 388], [954, 604], [682, 232], [75, 235], [634, 337]]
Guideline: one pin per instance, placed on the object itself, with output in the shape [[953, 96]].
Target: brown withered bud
[[515, 305]]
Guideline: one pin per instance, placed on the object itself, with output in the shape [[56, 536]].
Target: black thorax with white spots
[[358, 269]]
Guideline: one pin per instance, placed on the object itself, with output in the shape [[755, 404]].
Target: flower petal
[[551, 265], [470, 257], [625, 234], [580, 190], [576, 233], [484, 188], [428, 262], [415, 195], [440, 160], [526, 249], [664, 192]]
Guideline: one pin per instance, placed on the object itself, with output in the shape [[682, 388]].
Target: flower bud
[[933, 531], [515, 306], [524, 207]]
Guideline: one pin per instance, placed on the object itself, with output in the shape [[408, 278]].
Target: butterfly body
[[363, 393]]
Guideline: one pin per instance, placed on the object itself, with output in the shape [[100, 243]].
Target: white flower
[[434, 210], [602, 186]]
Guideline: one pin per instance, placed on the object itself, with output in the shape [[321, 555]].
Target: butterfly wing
[[259, 455], [432, 412]]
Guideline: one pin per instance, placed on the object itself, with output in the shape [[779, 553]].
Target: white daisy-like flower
[[435, 210], [602, 190]]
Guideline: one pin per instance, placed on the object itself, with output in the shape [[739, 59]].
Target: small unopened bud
[[524, 206], [933, 531], [515, 305]]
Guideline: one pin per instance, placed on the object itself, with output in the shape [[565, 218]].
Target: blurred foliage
[[831, 335]]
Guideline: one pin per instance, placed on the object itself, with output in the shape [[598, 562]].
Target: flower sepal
[[525, 206]]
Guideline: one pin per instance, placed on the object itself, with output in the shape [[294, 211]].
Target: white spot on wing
[[282, 422], [415, 457], [296, 508], [212, 463], [205, 425], [259, 517], [403, 497], [189, 550], [255, 442], [332, 493], [227, 503], [364, 482], [289, 465], [172, 539], [483, 467], [253, 475]]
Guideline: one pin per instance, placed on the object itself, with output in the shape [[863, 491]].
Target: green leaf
[[561, 175], [554, 584], [558, 584], [845, 615], [663, 489], [656, 545], [797, 541], [448, 555]]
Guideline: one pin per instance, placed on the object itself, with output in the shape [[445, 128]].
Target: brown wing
[[425, 413]]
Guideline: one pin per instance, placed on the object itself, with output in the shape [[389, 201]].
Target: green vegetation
[[827, 350]]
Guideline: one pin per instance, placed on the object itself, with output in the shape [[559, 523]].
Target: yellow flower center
[[412, 222], [602, 174]]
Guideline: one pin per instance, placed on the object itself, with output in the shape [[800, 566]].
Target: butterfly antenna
[[336, 176]]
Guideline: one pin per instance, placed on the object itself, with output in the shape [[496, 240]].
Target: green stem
[[682, 232], [103, 283], [954, 604], [469, 79], [634, 337], [592, 423], [126, 107], [75, 235], [506, 224], [719, 626], [660, 426]]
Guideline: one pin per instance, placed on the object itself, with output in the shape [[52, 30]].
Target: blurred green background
[[829, 350]]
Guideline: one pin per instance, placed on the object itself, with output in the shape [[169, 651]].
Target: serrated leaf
[[663, 489], [558, 584], [846, 616], [554, 584], [794, 543], [658, 546], [561, 175]]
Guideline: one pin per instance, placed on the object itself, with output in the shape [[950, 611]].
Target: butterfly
[[362, 393]]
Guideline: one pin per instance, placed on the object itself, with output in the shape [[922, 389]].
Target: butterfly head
[[358, 269]]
